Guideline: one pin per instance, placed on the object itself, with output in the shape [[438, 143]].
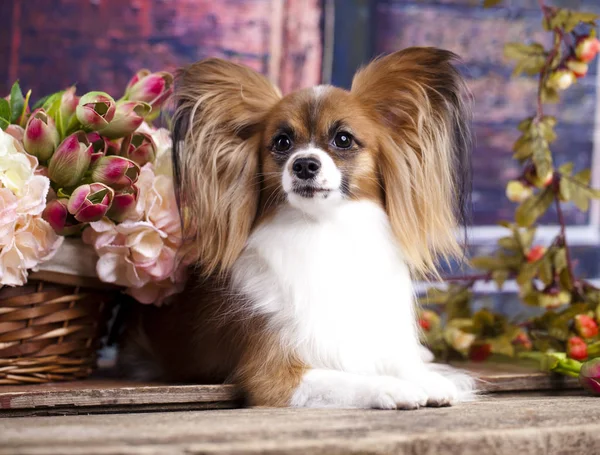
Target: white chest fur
[[334, 286]]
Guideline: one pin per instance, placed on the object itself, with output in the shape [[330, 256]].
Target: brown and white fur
[[309, 214]]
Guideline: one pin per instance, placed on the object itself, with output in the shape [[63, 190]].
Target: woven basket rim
[[72, 280]]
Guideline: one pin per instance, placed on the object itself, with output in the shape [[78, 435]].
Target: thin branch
[[475, 277], [562, 236]]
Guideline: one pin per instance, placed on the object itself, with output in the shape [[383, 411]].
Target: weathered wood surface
[[102, 395], [499, 424], [110, 395]]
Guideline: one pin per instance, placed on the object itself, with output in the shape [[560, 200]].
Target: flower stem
[[562, 236]]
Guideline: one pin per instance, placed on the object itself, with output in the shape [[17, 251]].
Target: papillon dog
[[309, 216]]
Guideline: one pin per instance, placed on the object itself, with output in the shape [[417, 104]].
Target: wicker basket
[[50, 329]]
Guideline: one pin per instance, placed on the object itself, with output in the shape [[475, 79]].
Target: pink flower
[[41, 136], [90, 202], [115, 171], [95, 110], [33, 242], [139, 148], [152, 88], [26, 239], [141, 251], [129, 115], [123, 203], [163, 164], [71, 160]]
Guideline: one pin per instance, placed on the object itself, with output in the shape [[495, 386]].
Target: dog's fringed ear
[[423, 104], [217, 129]]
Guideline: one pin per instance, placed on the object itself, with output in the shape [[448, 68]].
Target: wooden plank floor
[[498, 424], [105, 394]]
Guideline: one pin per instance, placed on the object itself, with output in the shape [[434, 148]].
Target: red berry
[[576, 348], [480, 352], [586, 48], [535, 253], [425, 324], [586, 326]]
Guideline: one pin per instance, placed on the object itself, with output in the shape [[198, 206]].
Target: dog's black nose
[[306, 168]]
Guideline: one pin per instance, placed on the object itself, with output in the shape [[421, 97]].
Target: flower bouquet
[[87, 210]]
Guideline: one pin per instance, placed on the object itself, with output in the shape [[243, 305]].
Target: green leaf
[[50, 102], [509, 243], [542, 158], [530, 57], [560, 259], [524, 125], [546, 128], [531, 298], [527, 273], [549, 95], [17, 102], [526, 237], [523, 148], [457, 305], [4, 113], [39, 103], [565, 279], [566, 169], [530, 66], [580, 197], [564, 189], [533, 207], [568, 20], [52, 108], [490, 3], [517, 51], [485, 262], [583, 176], [500, 277], [545, 270]]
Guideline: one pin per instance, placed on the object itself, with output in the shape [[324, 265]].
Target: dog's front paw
[[439, 390], [337, 389], [392, 393]]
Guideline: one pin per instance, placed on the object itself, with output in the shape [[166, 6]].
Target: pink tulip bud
[[123, 203], [139, 148], [152, 88], [589, 376], [57, 215], [95, 110], [129, 115], [112, 147], [68, 103], [70, 160], [586, 48], [99, 146], [115, 171], [41, 136], [90, 202]]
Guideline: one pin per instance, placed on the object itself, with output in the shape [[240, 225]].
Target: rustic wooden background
[[50, 44]]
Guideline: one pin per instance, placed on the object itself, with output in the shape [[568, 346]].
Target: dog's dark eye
[[343, 140], [282, 143]]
